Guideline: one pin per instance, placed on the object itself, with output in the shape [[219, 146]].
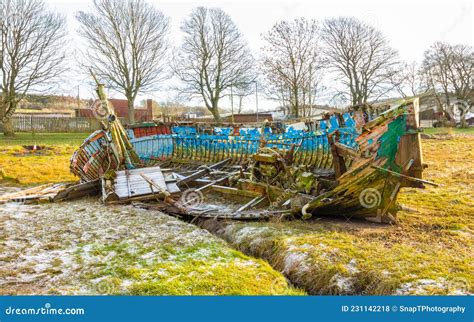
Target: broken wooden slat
[[249, 204], [202, 172], [210, 184], [405, 176], [235, 191], [45, 192], [80, 190], [135, 184]]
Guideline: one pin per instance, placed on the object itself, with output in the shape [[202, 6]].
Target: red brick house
[[121, 110]]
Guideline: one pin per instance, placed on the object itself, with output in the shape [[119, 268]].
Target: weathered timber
[[76, 191], [235, 191], [202, 172], [353, 165], [400, 175]]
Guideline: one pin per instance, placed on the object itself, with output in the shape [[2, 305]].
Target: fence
[[31, 123], [427, 123]]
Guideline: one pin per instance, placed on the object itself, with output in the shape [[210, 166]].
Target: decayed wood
[[213, 182], [235, 191], [47, 192], [139, 184], [80, 190], [344, 150], [152, 183], [339, 163], [164, 194], [250, 204], [202, 172], [400, 175], [373, 165]]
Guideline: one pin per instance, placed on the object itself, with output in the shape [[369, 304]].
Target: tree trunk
[[240, 104], [215, 114], [6, 113], [463, 109], [8, 128], [296, 105], [131, 111], [463, 120]]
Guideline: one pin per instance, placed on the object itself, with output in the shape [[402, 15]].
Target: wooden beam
[[202, 172], [404, 176], [343, 149], [235, 191]]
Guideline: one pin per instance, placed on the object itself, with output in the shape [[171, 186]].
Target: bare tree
[[31, 53], [361, 56], [291, 63], [449, 71], [241, 92], [409, 80], [127, 45], [212, 58]]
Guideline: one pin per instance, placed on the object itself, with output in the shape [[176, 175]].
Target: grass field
[[72, 139], [432, 130], [430, 251], [18, 166]]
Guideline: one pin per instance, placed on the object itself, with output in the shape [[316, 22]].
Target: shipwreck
[[350, 164]]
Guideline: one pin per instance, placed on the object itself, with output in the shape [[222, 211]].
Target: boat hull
[[365, 160]]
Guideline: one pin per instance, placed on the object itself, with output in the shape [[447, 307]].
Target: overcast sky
[[410, 26]]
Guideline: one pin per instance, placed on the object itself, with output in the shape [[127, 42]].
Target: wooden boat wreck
[[352, 164]]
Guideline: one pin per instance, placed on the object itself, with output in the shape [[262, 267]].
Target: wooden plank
[[202, 172], [133, 183], [405, 177], [250, 204], [235, 191]]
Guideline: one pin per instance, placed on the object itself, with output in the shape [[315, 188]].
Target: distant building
[[142, 114], [236, 118], [249, 117], [310, 112], [434, 108]]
